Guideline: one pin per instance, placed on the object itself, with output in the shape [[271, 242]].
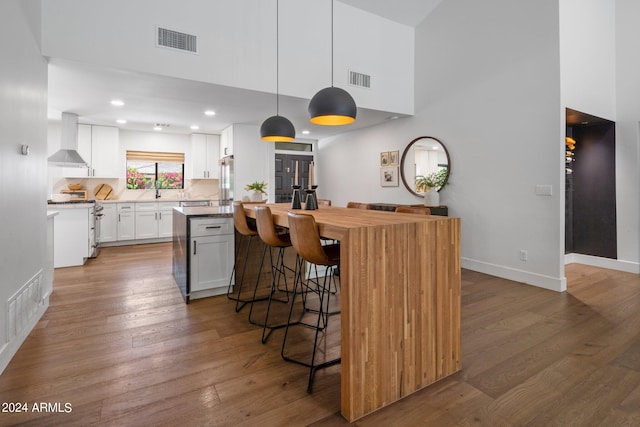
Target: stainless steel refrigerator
[[226, 180]]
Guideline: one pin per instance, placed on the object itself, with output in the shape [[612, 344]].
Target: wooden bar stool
[[246, 231], [273, 240], [358, 205], [306, 241]]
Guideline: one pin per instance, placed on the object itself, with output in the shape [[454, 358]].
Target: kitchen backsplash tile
[[194, 189]]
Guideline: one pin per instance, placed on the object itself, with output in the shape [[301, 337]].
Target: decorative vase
[[432, 197], [256, 196]]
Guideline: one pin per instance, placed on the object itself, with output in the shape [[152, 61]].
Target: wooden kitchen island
[[400, 301]]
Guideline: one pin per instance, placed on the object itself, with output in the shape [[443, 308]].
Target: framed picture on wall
[[389, 176], [393, 158], [384, 158]]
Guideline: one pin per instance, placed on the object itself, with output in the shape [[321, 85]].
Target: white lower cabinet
[[212, 255], [146, 220], [133, 221], [210, 262], [126, 229], [165, 219], [154, 219], [108, 223], [71, 237]]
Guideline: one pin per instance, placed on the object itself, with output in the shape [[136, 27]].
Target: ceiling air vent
[[177, 40], [359, 79]]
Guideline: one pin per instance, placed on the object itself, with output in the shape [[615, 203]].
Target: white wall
[[627, 130], [253, 160], [587, 56], [494, 101], [23, 104], [237, 42]]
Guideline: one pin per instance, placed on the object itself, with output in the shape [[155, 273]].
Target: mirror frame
[[404, 155]]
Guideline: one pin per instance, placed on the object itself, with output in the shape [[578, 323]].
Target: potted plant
[[258, 188], [430, 185]]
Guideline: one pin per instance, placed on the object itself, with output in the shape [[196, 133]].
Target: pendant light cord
[[331, 43], [277, 57]]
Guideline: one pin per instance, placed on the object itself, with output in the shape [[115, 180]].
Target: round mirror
[[425, 161]]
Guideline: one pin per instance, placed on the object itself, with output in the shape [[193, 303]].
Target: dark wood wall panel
[[592, 203]]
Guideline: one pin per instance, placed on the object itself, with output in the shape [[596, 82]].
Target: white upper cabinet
[[205, 151], [104, 152], [98, 146], [226, 142]]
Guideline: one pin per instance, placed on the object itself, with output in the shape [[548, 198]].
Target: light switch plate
[[544, 190]]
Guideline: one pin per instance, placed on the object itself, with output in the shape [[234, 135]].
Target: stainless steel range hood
[[68, 155]]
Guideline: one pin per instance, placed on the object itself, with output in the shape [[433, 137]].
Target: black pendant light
[[332, 106], [277, 128]]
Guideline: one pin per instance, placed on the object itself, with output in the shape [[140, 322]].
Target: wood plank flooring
[[119, 345]]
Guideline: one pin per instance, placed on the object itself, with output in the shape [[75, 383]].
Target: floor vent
[[177, 40], [23, 305], [359, 79]]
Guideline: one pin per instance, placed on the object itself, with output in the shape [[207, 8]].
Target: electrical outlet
[[523, 255]]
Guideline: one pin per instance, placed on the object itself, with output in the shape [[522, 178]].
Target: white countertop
[[224, 211], [161, 199], [60, 206]]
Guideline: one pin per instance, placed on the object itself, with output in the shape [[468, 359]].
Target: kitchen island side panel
[[180, 251]]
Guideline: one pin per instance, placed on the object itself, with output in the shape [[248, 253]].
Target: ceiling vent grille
[[359, 79], [177, 40]]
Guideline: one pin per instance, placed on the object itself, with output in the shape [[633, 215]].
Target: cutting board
[[103, 192]]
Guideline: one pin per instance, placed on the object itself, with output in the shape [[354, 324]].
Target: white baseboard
[[526, 277], [135, 242], [612, 264]]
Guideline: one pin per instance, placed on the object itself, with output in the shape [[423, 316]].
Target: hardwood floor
[[119, 345]]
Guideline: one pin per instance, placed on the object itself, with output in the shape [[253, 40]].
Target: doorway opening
[[590, 186], [287, 155]]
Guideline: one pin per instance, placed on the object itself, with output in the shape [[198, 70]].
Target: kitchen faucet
[[157, 190]]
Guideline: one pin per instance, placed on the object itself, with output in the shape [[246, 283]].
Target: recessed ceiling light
[[117, 103], [121, 121], [157, 128], [305, 132], [210, 113], [195, 127]]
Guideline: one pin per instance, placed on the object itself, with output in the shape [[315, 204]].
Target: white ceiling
[[86, 90], [408, 12]]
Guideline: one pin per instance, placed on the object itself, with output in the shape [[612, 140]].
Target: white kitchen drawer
[[167, 206], [210, 226], [146, 206], [125, 207]]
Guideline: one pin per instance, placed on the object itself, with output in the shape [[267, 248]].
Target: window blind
[[155, 157]]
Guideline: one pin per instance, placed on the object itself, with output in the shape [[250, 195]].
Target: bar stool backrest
[[324, 202], [267, 229], [305, 239], [413, 210], [240, 220], [358, 205]]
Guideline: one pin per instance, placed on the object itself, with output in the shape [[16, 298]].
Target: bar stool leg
[[278, 270], [240, 302], [323, 317]]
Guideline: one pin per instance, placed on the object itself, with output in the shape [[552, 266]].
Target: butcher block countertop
[[400, 301]]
